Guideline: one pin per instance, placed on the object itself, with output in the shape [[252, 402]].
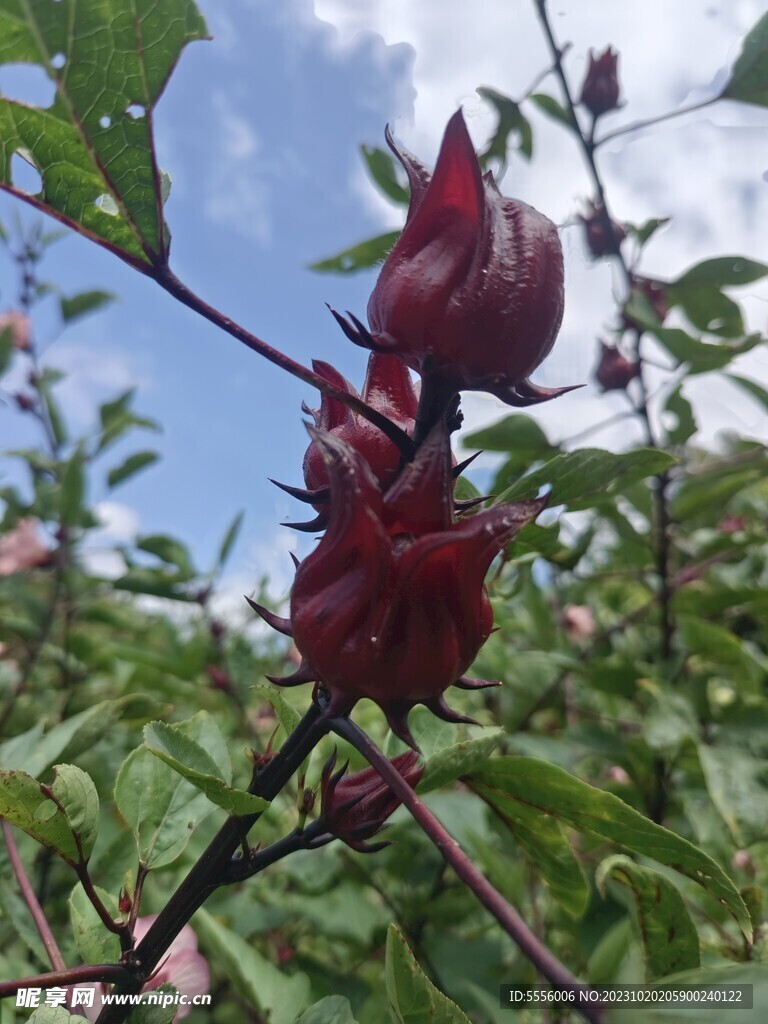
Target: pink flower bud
[[22, 549], [614, 371], [578, 622], [20, 327], [600, 91], [473, 289], [355, 807]]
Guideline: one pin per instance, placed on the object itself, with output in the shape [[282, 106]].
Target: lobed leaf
[[93, 147]]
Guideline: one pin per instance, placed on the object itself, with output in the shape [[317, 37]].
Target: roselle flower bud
[[391, 605], [20, 327], [472, 291], [600, 91], [614, 371], [600, 240], [355, 807], [389, 389], [652, 292]]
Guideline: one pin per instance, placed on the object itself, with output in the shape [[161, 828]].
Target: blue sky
[[260, 131]]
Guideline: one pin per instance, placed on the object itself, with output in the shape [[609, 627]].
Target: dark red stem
[[107, 973], [543, 960]]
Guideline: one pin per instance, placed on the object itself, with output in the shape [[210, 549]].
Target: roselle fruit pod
[[600, 91], [392, 605], [614, 371], [603, 236], [472, 291], [355, 807]]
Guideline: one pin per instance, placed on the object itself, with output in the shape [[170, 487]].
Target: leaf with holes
[[93, 147]]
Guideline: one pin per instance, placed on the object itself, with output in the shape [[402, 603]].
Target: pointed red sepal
[[421, 499], [468, 683], [396, 712], [317, 496], [356, 331], [389, 387], [469, 503], [311, 525], [295, 559], [282, 625], [526, 393], [459, 468], [439, 707], [303, 674], [419, 176]]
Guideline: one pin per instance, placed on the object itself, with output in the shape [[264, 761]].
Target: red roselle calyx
[[603, 236], [472, 292], [600, 91], [355, 807], [391, 605], [389, 389], [614, 371]]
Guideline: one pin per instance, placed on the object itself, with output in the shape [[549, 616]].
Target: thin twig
[[636, 126], [28, 893], [107, 973], [540, 956]]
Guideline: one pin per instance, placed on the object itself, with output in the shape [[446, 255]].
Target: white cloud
[[239, 194], [705, 168], [119, 524]]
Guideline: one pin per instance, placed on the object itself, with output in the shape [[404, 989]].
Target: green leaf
[[359, 257], [511, 120], [760, 394], [381, 167], [552, 108], [73, 489], [160, 806], [459, 759], [507, 782], [331, 1010], [154, 582], [6, 348], [413, 999], [53, 814], [147, 1012], [280, 997], [53, 1015], [194, 763], [94, 943], [83, 303], [723, 272], [749, 78], [584, 478], [515, 433], [116, 418], [737, 782], [669, 938], [225, 550], [15, 913], [645, 231], [708, 309], [287, 715], [110, 61], [168, 550], [682, 410], [718, 645], [131, 466], [51, 405]]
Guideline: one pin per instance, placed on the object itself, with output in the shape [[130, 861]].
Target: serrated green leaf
[[584, 478], [359, 257], [381, 167], [749, 78], [507, 782], [109, 61], [195, 764], [94, 943], [552, 108], [85, 302], [40, 811], [75, 793], [287, 715], [331, 1010], [168, 550], [413, 999], [131, 466], [53, 1015], [510, 120], [458, 759], [161, 807], [280, 997], [669, 938], [737, 782]]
